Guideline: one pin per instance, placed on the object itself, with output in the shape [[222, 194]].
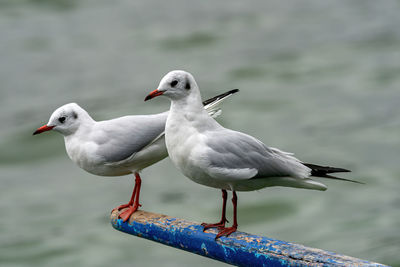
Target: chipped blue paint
[[239, 248]]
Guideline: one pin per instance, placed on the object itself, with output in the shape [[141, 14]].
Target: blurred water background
[[318, 78]]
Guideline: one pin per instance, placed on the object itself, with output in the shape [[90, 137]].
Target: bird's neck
[[187, 105], [189, 114]]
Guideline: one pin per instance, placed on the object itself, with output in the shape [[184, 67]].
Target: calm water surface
[[318, 78]]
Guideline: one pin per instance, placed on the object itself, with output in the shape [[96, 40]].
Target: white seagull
[[119, 146], [212, 155]]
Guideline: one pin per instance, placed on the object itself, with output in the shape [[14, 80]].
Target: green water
[[318, 78]]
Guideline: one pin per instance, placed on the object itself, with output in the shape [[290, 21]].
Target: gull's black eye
[[61, 119], [174, 83]]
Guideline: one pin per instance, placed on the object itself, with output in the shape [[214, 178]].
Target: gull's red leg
[[133, 204], [229, 230], [220, 224], [130, 203], [138, 183]]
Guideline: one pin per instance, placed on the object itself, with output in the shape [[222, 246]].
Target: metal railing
[[239, 248]]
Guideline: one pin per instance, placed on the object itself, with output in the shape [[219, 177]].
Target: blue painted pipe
[[240, 249]]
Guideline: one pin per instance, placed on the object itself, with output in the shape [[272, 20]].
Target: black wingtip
[[325, 169], [323, 172], [215, 98], [341, 179]]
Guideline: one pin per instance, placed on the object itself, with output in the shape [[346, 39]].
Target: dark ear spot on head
[[187, 86], [74, 115]]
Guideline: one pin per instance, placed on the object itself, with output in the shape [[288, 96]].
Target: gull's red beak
[[42, 129], [153, 94]]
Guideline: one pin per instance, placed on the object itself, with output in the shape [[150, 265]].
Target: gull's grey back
[[236, 150], [122, 137]]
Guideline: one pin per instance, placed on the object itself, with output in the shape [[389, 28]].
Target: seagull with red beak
[[116, 147], [214, 156]]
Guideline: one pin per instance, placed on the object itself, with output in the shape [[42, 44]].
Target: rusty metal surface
[[239, 249]]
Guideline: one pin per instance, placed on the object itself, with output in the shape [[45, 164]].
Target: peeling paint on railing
[[239, 248]]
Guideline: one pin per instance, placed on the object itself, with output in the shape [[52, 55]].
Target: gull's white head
[[65, 120], [175, 85]]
